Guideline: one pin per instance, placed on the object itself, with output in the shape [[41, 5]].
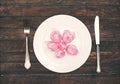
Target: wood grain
[[10, 79], [88, 68], [62, 2], [111, 55], [14, 13], [60, 79], [34, 22], [53, 10]]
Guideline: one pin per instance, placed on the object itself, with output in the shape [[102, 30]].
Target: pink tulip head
[[61, 43]]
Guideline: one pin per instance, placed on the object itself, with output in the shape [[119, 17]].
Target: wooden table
[[14, 13]]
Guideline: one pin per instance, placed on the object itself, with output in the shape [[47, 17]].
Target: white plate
[[82, 41]]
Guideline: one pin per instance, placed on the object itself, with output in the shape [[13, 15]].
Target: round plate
[[67, 63]]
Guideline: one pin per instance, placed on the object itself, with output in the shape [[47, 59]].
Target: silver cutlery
[[97, 38], [27, 63]]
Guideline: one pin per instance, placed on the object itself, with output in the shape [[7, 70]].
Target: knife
[[97, 39]]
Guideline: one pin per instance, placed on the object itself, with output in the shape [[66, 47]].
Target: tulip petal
[[60, 54], [62, 46], [56, 36], [68, 36], [72, 50], [52, 46]]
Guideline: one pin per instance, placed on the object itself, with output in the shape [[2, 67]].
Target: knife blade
[[97, 40], [97, 32]]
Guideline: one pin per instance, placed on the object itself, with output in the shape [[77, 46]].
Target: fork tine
[[26, 23]]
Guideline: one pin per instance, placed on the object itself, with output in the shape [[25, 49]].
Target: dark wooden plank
[[62, 2], [90, 79], [109, 63], [59, 79], [16, 57], [53, 10], [12, 46], [13, 22], [34, 22], [26, 79], [14, 34], [18, 68]]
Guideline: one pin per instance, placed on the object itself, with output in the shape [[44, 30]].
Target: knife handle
[[98, 59]]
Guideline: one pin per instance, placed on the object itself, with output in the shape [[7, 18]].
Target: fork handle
[[27, 63], [98, 59]]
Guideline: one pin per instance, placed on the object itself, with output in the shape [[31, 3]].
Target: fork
[[27, 63]]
